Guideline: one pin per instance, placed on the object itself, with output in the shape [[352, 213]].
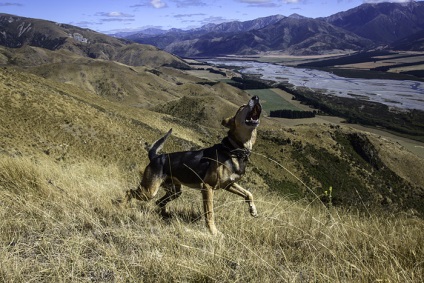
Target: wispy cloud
[[117, 20], [85, 24], [8, 4], [188, 15], [188, 3], [157, 4], [259, 3], [105, 17], [215, 20], [114, 15]]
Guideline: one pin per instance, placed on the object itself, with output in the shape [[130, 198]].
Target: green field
[[272, 101]]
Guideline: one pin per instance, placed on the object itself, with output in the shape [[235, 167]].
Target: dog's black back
[[191, 167]]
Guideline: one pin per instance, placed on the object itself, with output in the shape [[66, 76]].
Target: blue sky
[[126, 15]]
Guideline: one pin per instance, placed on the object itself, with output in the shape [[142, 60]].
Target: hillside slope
[[413, 42], [382, 22], [47, 114], [67, 155]]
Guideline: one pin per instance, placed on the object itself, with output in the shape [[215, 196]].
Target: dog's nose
[[254, 101]]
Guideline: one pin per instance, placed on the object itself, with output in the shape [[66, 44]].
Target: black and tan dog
[[219, 166]]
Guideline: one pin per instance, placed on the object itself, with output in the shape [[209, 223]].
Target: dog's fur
[[219, 166]]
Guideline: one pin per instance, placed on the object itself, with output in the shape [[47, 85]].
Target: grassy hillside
[[67, 153], [59, 224]]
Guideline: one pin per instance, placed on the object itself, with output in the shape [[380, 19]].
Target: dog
[[208, 169]]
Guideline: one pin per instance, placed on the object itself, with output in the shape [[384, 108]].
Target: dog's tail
[[157, 145]]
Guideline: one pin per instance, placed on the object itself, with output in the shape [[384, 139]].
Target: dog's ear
[[228, 122]]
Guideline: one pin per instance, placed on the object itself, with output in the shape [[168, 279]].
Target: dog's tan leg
[[207, 194], [239, 190]]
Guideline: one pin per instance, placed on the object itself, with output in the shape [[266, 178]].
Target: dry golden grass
[[67, 155], [59, 224]]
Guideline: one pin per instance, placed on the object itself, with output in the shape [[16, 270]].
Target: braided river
[[403, 94]]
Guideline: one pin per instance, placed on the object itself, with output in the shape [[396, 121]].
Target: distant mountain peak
[[297, 16]]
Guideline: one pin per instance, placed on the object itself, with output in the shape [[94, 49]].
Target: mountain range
[[35, 33], [384, 25], [364, 27]]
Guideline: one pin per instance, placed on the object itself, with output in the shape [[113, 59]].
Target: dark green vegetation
[[407, 123], [374, 71], [292, 114], [276, 106], [374, 74], [350, 163], [246, 83], [354, 172], [360, 57], [271, 101]]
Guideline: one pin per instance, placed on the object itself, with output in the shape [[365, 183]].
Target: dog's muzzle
[[252, 118]]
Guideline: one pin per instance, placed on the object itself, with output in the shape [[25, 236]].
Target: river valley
[[401, 94]]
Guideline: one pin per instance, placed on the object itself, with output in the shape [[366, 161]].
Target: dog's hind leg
[[173, 191], [239, 190], [148, 187], [207, 194]]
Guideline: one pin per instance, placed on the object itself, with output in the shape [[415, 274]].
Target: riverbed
[[401, 94]]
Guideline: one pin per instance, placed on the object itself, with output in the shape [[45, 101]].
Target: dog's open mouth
[[252, 118]]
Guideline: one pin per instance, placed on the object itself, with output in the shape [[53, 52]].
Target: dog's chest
[[235, 167]]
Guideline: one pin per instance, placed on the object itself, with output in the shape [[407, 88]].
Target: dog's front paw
[[253, 211], [212, 229]]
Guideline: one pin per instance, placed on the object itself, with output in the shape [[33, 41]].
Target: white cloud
[[158, 4], [114, 15]]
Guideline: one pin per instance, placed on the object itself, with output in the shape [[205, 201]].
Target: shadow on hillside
[[188, 215], [185, 214]]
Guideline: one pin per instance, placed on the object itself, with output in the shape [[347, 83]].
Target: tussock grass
[[67, 155], [59, 223]]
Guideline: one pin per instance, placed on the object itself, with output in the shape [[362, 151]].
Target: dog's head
[[247, 116], [243, 125]]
